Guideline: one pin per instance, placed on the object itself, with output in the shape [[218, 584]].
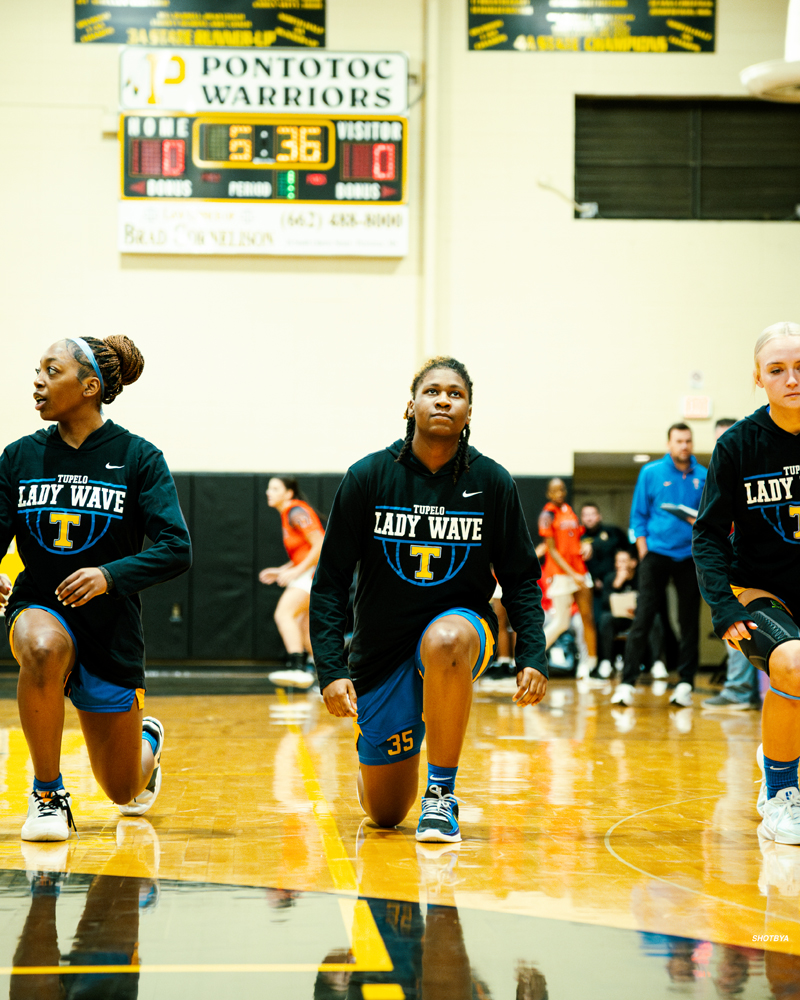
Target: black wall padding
[[167, 609], [219, 610], [223, 591]]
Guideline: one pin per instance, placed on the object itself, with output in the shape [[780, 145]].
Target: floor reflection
[[71, 935]]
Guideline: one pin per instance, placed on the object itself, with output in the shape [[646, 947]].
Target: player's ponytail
[[117, 358]]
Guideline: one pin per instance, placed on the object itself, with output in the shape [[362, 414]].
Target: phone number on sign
[[370, 220]]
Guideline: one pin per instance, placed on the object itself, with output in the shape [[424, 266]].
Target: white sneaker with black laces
[[49, 816], [781, 821], [682, 695], [438, 821], [139, 805]]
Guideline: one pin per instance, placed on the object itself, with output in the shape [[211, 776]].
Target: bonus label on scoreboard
[[305, 159]]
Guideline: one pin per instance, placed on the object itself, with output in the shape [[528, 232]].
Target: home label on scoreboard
[[280, 158]]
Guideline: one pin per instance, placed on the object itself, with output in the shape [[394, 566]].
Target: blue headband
[[91, 358]]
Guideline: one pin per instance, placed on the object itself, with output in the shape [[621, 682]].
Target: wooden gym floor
[[608, 853]]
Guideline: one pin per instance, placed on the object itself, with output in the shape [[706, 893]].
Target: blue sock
[[779, 774], [47, 786], [151, 740], [445, 777]]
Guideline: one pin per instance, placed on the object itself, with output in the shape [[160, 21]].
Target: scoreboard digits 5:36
[[291, 158]]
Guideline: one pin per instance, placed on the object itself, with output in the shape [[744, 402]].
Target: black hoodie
[[92, 506], [753, 484], [424, 544]]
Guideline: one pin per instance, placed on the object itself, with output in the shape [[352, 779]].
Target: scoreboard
[[266, 158]]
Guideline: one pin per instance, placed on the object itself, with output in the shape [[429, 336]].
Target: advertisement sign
[[210, 23], [645, 26], [273, 80], [174, 227]]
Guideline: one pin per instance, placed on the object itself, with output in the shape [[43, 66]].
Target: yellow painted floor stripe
[[365, 939], [75, 970]]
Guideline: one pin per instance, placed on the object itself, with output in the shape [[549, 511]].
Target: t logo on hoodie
[[69, 514], [426, 545]]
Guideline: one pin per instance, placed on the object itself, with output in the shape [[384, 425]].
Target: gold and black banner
[[207, 23], [653, 26]]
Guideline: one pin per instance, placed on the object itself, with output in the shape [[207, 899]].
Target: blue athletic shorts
[[390, 725], [86, 691]]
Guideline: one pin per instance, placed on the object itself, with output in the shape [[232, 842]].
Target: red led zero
[[383, 161], [173, 157]]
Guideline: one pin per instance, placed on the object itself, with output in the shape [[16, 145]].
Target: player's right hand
[[738, 631], [340, 698], [5, 589], [269, 575]]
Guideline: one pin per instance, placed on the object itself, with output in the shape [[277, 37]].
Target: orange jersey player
[[565, 572]]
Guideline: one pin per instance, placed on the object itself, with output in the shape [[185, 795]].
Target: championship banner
[[212, 23], [253, 80], [204, 228], [653, 26]]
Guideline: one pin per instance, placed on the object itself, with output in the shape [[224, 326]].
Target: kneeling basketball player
[[80, 498], [425, 520], [751, 578]]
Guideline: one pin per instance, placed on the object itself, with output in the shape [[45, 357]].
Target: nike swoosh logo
[[465, 494], [114, 466]]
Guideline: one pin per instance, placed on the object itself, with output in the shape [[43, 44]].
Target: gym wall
[[580, 334]]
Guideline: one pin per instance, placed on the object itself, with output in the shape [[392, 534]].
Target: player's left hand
[[5, 589], [531, 687], [81, 586]]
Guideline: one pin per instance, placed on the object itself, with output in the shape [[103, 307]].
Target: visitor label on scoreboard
[[255, 230], [251, 80], [653, 26], [187, 23], [309, 159]]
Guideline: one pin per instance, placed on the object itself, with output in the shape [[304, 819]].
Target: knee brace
[[774, 627]]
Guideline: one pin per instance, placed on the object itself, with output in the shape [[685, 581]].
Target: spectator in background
[[664, 542], [613, 621], [564, 572], [741, 681], [599, 544]]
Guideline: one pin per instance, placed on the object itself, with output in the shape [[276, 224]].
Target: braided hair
[[461, 463], [118, 358]]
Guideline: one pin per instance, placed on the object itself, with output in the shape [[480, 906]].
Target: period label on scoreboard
[[187, 23], [214, 228], [654, 26], [253, 80], [281, 158]]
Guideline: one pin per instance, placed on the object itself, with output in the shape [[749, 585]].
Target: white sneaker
[[49, 816], [605, 670], [658, 671], [302, 679], [623, 695], [762, 791], [682, 695], [145, 799], [782, 817]]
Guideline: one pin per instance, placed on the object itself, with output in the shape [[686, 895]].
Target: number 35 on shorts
[[401, 742]]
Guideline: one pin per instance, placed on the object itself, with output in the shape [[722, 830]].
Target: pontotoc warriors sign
[[275, 80]]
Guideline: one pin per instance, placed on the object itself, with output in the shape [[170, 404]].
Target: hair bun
[[131, 362]]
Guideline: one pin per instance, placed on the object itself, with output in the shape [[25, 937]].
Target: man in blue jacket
[[667, 496]]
